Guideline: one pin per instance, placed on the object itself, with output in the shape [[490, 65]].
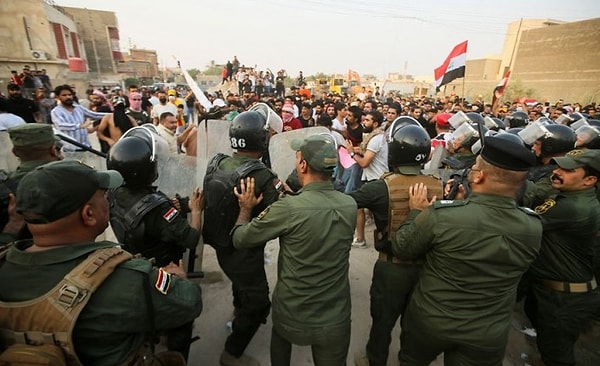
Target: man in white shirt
[[162, 107], [371, 156], [339, 122]]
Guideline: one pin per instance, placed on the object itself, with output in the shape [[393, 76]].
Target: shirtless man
[[117, 123]]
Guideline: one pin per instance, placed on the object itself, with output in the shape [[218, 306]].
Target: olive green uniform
[[539, 186], [571, 221], [311, 301], [392, 281], [117, 319], [475, 253], [245, 267], [167, 233], [12, 182]]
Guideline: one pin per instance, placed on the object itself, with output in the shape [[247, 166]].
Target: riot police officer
[[249, 135], [556, 142], [145, 220], [393, 277]]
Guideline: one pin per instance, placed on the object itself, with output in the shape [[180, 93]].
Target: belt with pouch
[[391, 259], [571, 287]]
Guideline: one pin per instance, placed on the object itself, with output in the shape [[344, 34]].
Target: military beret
[[32, 134], [507, 154]]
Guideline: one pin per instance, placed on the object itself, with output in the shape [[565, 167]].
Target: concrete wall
[[513, 37], [561, 61], [93, 27], [149, 56]]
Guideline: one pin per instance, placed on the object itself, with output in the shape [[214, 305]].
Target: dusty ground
[[211, 325]]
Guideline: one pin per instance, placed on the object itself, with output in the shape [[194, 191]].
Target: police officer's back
[[393, 277], [249, 135], [34, 144]]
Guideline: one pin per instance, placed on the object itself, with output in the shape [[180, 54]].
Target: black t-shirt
[[22, 107], [355, 135]]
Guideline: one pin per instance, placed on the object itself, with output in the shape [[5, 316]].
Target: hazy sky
[[330, 36]]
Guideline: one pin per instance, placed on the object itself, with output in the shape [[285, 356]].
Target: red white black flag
[[499, 89], [453, 67]]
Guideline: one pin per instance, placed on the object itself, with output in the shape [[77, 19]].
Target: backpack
[[221, 207], [40, 331]]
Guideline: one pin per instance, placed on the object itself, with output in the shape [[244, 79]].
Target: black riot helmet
[[589, 136], [410, 145], [400, 122], [134, 157], [494, 124], [249, 131], [476, 117], [518, 119], [559, 139]]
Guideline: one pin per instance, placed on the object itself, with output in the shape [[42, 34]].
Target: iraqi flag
[[499, 89], [453, 67]]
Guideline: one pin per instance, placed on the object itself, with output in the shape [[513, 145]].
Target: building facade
[[41, 35]]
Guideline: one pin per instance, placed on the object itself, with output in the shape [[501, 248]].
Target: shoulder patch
[[171, 214], [544, 207], [163, 281], [262, 214], [449, 203]]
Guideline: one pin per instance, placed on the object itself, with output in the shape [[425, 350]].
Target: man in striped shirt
[[70, 118]]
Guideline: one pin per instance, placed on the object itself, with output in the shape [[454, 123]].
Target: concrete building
[[41, 35], [141, 64], [99, 31]]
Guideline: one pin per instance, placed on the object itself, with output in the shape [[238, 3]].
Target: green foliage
[[193, 73], [131, 81], [213, 70], [319, 75], [515, 90]]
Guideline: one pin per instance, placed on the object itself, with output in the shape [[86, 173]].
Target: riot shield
[[177, 174], [213, 138], [283, 157], [8, 161]]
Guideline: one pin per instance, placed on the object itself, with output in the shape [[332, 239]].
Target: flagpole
[[463, 88], [514, 47]]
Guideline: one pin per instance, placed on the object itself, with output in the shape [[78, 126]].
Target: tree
[[193, 73], [515, 90], [131, 81]]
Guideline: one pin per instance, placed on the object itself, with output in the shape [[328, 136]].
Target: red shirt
[[294, 124]]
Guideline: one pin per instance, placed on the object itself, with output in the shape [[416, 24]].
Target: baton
[[80, 145]]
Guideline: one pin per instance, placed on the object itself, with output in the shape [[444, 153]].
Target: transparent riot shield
[[8, 161], [213, 138], [283, 157]]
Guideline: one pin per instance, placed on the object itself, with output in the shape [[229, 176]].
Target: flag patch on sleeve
[[171, 214], [163, 281]]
